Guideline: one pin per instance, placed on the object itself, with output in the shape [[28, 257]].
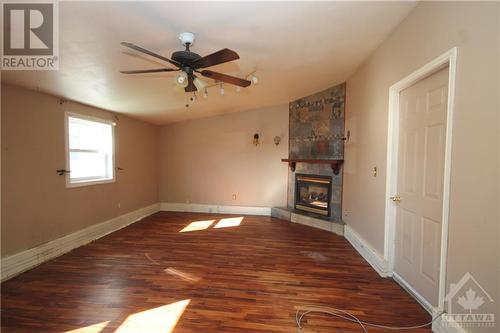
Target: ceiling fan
[[190, 63]]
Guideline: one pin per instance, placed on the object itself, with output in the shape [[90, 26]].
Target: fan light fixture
[[254, 79], [182, 79], [199, 84], [186, 38]]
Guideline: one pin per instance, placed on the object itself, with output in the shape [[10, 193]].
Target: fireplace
[[313, 193]]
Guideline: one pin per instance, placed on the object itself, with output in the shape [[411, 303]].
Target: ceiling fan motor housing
[[185, 57]]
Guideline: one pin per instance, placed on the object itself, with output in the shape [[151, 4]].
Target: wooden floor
[[150, 277]]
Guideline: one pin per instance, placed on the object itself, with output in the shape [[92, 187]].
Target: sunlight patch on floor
[[162, 319], [96, 328], [197, 225], [229, 222], [158, 320]]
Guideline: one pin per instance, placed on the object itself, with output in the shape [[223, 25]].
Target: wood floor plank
[[150, 277]]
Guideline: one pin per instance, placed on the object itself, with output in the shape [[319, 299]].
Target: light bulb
[[182, 79], [222, 90], [254, 79], [205, 93], [199, 84]]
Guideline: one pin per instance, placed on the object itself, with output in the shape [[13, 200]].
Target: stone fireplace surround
[[316, 133]]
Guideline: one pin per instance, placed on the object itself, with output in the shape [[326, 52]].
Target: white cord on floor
[[299, 316]]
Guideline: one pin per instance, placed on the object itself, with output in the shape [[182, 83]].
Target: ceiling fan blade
[[143, 50], [216, 58], [226, 78], [139, 71], [190, 87]]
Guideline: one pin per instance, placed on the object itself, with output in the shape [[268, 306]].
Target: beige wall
[[36, 205], [208, 160], [498, 153], [430, 30]]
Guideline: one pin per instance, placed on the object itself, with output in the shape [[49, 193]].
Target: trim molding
[[218, 209], [410, 290], [376, 260], [25, 260]]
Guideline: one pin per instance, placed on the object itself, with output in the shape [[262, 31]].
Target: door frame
[[449, 58]]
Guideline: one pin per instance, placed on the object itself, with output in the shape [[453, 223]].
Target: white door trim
[[449, 59]]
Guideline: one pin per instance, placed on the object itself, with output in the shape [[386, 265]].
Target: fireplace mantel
[[335, 164]]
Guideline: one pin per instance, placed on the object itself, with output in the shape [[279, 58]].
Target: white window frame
[[91, 181]]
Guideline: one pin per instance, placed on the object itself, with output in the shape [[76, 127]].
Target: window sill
[[89, 182]]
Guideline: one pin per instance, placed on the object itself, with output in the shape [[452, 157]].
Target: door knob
[[396, 199]]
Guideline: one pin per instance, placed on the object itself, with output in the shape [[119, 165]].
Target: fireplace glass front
[[313, 193]]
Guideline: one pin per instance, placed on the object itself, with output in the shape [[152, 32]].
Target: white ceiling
[[297, 48]]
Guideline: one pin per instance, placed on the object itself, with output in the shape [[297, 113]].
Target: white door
[[422, 135]]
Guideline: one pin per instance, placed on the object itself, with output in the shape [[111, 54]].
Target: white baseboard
[[201, 208], [440, 325], [22, 261], [382, 267], [416, 295], [447, 326], [373, 257]]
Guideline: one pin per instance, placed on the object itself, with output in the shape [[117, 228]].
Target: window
[[89, 150]]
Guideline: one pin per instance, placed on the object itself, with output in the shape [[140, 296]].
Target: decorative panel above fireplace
[[317, 125]]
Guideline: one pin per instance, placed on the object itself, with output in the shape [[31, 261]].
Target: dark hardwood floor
[[150, 277]]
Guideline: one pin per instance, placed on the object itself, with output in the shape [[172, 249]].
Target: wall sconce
[[277, 140], [348, 136], [256, 139]]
